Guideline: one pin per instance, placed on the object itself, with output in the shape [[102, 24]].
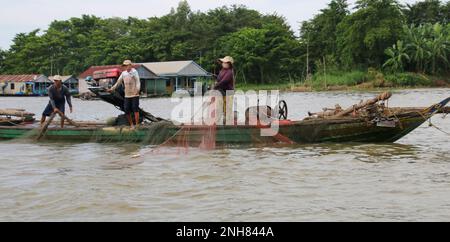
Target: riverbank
[[354, 81]]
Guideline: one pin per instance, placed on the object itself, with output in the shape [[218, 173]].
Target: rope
[[430, 124], [393, 113], [423, 116], [436, 127]]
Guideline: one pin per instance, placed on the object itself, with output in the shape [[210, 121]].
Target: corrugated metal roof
[[92, 69], [19, 78], [176, 68]]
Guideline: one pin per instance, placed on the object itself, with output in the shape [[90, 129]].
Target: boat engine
[[117, 99], [282, 110], [265, 113]]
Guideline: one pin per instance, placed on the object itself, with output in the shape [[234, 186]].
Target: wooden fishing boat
[[394, 124]]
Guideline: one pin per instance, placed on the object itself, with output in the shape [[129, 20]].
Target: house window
[[168, 83], [12, 86]]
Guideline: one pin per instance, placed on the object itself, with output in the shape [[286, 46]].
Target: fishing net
[[165, 138]]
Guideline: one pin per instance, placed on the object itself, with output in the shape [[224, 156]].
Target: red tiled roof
[[92, 69], [19, 78]]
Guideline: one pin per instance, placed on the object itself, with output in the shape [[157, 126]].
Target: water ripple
[[406, 181]]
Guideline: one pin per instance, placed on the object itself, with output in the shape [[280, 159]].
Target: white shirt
[[131, 81]]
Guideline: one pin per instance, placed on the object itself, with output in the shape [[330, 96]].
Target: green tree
[[446, 11], [264, 55], [397, 57], [71, 46], [2, 59], [26, 54], [428, 11], [263, 45], [365, 34], [439, 48], [416, 44], [320, 33], [247, 46], [428, 46]]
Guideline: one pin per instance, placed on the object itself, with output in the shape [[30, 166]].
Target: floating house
[[157, 78], [176, 75], [24, 85]]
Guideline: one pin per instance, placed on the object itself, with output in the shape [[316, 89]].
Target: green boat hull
[[306, 131]]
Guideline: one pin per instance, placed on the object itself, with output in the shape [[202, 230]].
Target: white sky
[[26, 15]]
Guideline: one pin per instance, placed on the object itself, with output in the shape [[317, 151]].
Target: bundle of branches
[[363, 108]]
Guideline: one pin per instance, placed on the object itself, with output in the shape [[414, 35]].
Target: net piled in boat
[[186, 136]]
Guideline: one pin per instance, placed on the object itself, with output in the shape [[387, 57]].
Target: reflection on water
[[64, 181]]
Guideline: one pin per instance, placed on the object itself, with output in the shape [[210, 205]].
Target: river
[[405, 181]]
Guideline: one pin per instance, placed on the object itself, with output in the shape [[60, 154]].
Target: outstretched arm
[[225, 79], [119, 82]]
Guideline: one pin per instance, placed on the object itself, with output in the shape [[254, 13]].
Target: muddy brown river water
[[405, 181]]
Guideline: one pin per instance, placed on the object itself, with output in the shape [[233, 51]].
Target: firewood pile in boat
[[376, 110]]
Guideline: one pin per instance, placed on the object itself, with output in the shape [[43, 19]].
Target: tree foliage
[[397, 57], [264, 54], [71, 46], [2, 58], [365, 34], [428, 46], [375, 33], [428, 11], [320, 33]]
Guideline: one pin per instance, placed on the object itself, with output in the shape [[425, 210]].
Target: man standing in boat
[[58, 94], [132, 84]]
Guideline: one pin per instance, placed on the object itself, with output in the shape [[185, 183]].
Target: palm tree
[[416, 45], [439, 47], [397, 57]]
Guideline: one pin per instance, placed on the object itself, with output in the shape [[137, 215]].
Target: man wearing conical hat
[[58, 94]]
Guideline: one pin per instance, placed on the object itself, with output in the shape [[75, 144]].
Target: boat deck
[[312, 130]]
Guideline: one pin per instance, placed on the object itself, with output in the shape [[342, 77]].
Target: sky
[[26, 15]]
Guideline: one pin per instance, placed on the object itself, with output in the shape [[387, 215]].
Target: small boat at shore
[[10, 121], [384, 126], [13, 117]]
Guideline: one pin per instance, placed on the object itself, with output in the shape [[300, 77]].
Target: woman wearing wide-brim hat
[[225, 82], [225, 79]]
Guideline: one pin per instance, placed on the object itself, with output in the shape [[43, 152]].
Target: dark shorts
[[49, 109], [131, 105]]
